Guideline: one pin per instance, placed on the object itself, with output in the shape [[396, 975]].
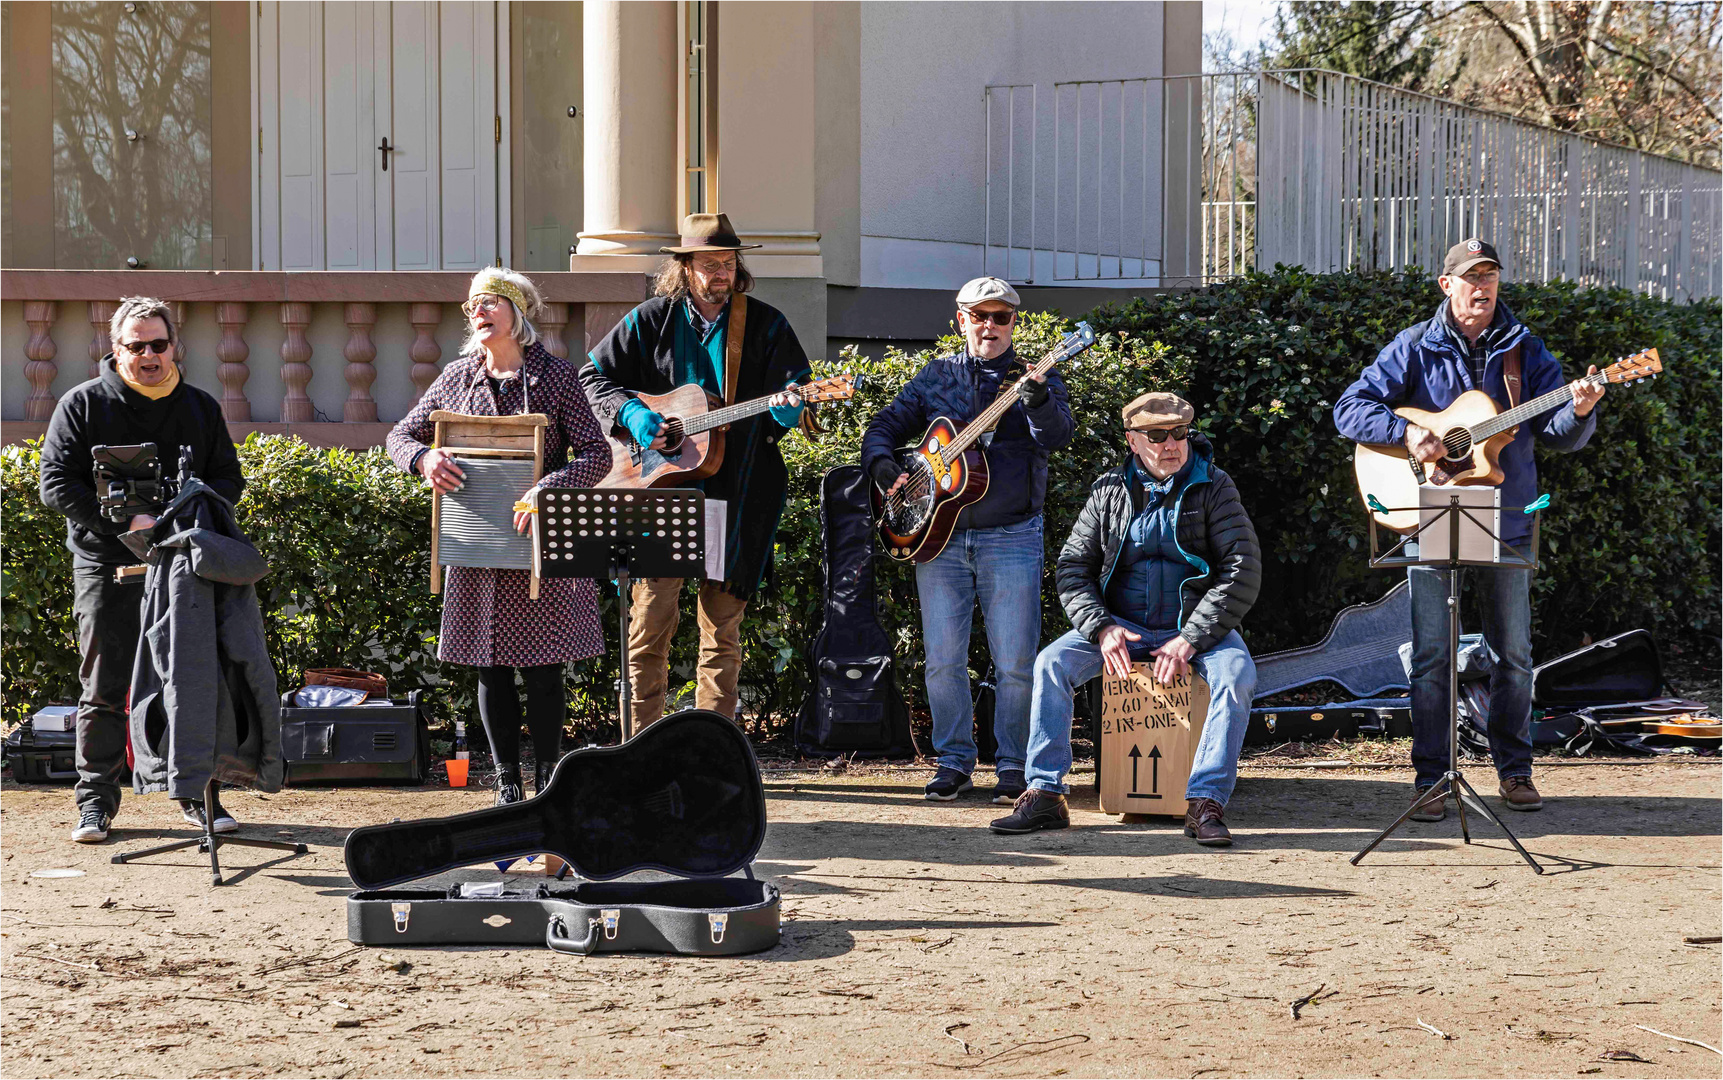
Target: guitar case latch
[[611, 917], [401, 912], [718, 920]]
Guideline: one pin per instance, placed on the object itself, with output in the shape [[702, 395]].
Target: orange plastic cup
[[457, 772]]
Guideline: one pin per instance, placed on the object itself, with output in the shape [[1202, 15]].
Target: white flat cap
[[983, 289]]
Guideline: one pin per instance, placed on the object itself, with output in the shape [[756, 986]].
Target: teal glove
[[641, 422]]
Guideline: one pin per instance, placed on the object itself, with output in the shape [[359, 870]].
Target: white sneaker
[[191, 811], [93, 825]]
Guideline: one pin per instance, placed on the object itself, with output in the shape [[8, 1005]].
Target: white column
[[629, 51]]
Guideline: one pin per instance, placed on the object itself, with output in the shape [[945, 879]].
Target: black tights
[[499, 708]]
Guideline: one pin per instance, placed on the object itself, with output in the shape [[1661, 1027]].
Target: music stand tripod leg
[[625, 709], [1436, 794]]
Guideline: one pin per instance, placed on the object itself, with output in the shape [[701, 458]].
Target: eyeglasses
[[1161, 435], [715, 266], [485, 303], [1482, 277], [158, 346], [997, 318]]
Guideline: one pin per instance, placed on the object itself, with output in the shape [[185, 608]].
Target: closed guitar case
[[682, 797], [853, 704], [1626, 667]]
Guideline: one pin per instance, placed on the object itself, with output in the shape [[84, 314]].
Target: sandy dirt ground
[[915, 942]]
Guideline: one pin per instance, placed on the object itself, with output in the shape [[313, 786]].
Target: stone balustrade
[[396, 329]]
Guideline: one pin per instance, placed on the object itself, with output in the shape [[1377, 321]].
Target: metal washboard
[[502, 457]]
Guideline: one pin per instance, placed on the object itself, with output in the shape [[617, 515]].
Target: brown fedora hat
[[708, 232]]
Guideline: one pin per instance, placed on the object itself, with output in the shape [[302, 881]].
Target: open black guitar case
[[853, 705], [683, 797]]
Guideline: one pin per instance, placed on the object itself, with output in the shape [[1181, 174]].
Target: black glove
[[885, 472], [1032, 394]]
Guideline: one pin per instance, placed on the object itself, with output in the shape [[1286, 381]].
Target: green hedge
[[1631, 540]]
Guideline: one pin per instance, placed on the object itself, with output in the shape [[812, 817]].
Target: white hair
[[524, 331]]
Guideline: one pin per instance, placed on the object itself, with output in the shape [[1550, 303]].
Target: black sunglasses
[[158, 346], [997, 318], [1161, 435]]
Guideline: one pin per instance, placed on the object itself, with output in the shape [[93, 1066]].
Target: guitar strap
[[733, 346], [1511, 375]]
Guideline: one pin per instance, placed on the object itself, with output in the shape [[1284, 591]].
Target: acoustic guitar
[[946, 473], [694, 423], [1474, 433]]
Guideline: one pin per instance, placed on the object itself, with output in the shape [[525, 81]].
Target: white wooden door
[[334, 80]]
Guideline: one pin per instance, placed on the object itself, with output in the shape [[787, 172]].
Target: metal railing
[[1190, 179]]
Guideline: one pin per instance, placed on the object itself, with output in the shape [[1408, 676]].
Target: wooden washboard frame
[[520, 436]]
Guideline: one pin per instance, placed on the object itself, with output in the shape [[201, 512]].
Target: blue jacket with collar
[[959, 387], [1424, 368]]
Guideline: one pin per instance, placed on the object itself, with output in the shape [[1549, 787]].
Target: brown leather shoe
[[1519, 794], [1202, 821], [1434, 811]]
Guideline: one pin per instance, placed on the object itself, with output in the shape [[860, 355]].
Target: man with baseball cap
[[1472, 342], [994, 554], [1162, 564]]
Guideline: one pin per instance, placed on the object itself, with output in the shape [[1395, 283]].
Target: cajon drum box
[[1149, 735], [503, 457]]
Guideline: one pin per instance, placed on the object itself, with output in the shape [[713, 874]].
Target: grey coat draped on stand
[[204, 698]]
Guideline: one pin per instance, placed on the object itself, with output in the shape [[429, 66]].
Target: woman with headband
[[489, 621]]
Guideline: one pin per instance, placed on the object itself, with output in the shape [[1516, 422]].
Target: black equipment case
[[682, 797], [1625, 667], [382, 743], [854, 705], [42, 757]]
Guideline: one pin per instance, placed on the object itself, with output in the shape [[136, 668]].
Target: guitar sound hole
[[908, 511], [1458, 443], [673, 437]]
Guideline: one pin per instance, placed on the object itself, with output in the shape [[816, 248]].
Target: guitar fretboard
[[1526, 410], [990, 415]]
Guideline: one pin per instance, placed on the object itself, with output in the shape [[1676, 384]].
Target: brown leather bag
[[374, 685]]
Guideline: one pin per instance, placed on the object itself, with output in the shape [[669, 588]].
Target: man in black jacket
[[995, 552], [138, 398], [700, 327], [1162, 563]]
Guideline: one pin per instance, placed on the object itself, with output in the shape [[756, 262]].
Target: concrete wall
[[924, 67]]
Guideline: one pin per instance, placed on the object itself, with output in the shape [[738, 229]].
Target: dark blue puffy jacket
[[1424, 368], [959, 387]]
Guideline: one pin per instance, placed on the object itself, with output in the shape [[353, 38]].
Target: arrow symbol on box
[[1136, 755]]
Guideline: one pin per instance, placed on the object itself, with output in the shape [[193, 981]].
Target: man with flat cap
[[1472, 342], [994, 554], [700, 327], [1161, 564]]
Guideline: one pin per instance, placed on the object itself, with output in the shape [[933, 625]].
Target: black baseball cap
[[1467, 254]]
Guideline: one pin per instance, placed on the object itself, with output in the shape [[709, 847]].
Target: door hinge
[[499, 121]]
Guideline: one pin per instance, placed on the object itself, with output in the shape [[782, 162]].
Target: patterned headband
[[497, 285]]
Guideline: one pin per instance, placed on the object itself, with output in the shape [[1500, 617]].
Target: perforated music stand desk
[[1451, 518], [614, 534]]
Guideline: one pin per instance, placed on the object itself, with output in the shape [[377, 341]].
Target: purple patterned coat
[[487, 617]]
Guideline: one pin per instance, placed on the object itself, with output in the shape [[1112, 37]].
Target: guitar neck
[[1521, 413], [729, 414], [990, 415]]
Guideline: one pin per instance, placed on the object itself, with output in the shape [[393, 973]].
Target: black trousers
[[109, 615], [546, 708]]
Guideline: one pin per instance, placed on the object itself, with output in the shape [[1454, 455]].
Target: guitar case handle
[[557, 939]]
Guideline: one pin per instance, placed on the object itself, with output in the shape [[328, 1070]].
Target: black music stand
[[615, 534], [1450, 517], [211, 842]]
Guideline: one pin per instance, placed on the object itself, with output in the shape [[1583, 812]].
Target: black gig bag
[[682, 797], [1617, 669], [853, 704]]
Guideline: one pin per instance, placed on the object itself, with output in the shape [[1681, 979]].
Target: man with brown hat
[[1472, 342], [700, 327], [1162, 563]]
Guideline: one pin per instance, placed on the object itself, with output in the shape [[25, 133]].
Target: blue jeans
[[1073, 660], [1002, 569], [1503, 598]]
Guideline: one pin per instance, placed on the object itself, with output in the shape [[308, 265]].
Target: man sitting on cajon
[[1163, 563]]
